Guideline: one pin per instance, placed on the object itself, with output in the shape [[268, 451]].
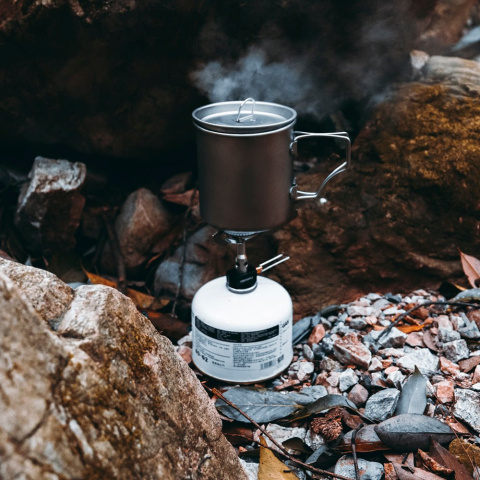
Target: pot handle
[[301, 195]]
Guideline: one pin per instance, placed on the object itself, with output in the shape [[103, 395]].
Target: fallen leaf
[[271, 468], [261, 405], [141, 300], [466, 453], [237, 434], [366, 440], [390, 473], [324, 456], [321, 405], [429, 341], [411, 431], [298, 445], [408, 460], [443, 456], [413, 398], [471, 267], [414, 473], [415, 328], [433, 465], [167, 325]]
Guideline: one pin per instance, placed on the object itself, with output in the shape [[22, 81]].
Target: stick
[[117, 253], [426, 304], [354, 451], [282, 449]]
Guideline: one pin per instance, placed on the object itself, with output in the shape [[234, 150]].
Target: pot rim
[[226, 117], [241, 135]]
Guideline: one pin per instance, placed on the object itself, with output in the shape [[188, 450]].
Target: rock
[[251, 469], [202, 262], [308, 352], [281, 434], [350, 350], [395, 157], [456, 350], [358, 323], [141, 223], [330, 365], [105, 396], [334, 379], [359, 311], [467, 407], [317, 334], [476, 375], [448, 366], [445, 335], [376, 365], [381, 405], [305, 369], [443, 321], [395, 338], [358, 395], [347, 379], [396, 379], [48, 295], [186, 353], [426, 362], [415, 339], [444, 391], [50, 205], [368, 470]]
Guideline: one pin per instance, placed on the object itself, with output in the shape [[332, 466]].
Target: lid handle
[[250, 116]]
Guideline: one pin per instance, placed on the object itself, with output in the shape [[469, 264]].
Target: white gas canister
[[242, 337]]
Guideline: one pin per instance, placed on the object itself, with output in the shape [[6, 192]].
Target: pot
[[245, 165]]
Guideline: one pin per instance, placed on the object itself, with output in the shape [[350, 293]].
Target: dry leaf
[[390, 473], [413, 473], [429, 341], [471, 268], [271, 468], [141, 300], [466, 453], [443, 456], [433, 465]]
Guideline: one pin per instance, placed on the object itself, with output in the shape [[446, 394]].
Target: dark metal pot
[[245, 164]]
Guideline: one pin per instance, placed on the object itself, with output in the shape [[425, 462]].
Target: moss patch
[[432, 135]]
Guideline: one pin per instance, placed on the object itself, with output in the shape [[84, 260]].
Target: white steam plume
[[289, 82]]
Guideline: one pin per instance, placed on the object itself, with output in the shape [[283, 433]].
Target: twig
[[184, 256], [354, 451], [117, 253], [426, 304], [282, 449]]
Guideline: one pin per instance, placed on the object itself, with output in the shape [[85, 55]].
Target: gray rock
[[250, 468], [396, 379], [347, 379], [50, 205], [467, 407], [358, 323], [368, 470], [308, 352], [107, 394], [375, 365], [456, 350], [202, 262], [305, 369], [359, 311], [426, 362], [445, 335], [395, 338], [330, 365], [381, 405]]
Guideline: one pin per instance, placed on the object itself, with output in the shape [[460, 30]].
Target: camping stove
[[242, 322]]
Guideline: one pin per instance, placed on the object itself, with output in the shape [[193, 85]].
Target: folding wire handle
[[300, 194], [241, 119]]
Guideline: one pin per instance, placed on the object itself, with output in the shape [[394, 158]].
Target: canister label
[[226, 354]]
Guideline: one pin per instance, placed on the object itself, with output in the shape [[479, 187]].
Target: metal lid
[[244, 117]]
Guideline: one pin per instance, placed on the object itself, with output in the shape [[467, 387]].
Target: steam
[[289, 82]]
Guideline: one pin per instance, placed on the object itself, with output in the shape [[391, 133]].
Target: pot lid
[[244, 117]]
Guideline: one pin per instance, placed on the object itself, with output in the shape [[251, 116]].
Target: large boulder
[[395, 222], [120, 79], [101, 395]]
